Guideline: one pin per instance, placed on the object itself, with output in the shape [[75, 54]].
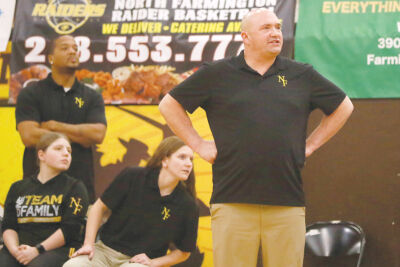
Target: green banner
[[355, 44]]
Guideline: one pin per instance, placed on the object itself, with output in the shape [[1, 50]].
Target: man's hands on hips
[[309, 150], [207, 150]]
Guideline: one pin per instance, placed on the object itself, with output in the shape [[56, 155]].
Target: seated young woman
[[148, 209], [44, 214]]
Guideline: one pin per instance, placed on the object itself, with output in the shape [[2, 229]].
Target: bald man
[[257, 105], [60, 103]]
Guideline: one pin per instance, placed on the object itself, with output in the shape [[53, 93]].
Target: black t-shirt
[[46, 100], [259, 125], [142, 221], [35, 210]]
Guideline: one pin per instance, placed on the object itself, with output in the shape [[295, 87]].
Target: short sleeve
[[10, 213], [187, 241], [115, 194], [96, 112], [74, 212], [27, 106], [324, 94], [195, 91]]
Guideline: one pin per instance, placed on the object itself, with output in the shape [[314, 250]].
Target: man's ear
[[50, 58], [244, 36]]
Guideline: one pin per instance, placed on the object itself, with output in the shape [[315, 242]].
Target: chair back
[[335, 238]]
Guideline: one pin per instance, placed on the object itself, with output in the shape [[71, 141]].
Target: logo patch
[[281, 79], [77, 204], [166, 213], [79, 102]]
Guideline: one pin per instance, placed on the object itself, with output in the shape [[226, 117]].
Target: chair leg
[[360, 255]]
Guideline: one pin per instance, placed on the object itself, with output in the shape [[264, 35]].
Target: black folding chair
[[335, 238]]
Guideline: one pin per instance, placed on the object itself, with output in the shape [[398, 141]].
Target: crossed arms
[[85, 134]]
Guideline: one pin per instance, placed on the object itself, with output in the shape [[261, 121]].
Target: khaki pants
[[103, 257], [239, 229]]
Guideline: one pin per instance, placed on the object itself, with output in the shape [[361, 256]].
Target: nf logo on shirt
[[165, 213], [77, 204], [281, 79], [79, 101]]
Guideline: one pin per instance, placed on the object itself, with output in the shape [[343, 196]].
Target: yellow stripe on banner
[[5, 67], [71, 251], [39, 219]]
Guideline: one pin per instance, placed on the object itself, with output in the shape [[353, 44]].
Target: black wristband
[[40, 248]]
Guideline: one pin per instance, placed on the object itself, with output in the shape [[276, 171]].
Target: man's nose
[[72, 50], [275, 31]]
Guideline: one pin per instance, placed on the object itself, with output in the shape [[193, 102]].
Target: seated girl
[[44, 214], [149, 209]]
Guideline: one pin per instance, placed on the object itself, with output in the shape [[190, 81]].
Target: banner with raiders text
[[134, 51], [355, 44]]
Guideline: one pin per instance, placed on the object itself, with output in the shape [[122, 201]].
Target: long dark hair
[[165, 149]]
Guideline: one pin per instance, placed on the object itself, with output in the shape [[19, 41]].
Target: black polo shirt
[[259, 125], [46, 100], [142, 221]]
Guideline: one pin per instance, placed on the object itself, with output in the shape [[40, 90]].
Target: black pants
[[53, 258]]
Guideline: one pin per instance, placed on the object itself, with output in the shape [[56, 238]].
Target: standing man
[[257, 105], [60, 103]]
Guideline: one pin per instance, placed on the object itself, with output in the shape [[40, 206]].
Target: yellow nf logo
[[77, 205], [165, 213], [79, 101], [281, 79]]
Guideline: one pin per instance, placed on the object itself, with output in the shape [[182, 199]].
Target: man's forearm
[[329, 126], [85, 134], [179, 121], [30, 132]]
